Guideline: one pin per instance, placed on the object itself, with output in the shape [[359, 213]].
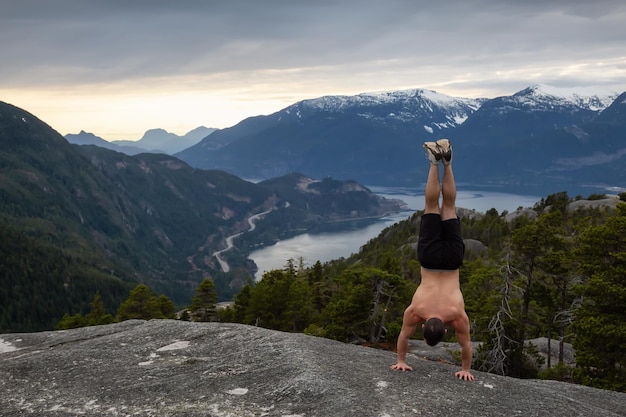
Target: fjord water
[[346, 238]]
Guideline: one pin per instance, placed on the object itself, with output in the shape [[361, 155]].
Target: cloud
[[286, 50], [118, 39]]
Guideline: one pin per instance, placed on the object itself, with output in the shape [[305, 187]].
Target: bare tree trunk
[[497, 357], [383, 320], [526, 302], [374, 317], [562, 324], [565, 318], [549, 363]]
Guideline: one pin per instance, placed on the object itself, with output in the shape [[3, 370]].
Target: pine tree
[[531, 244], [268, 300], [364, 300], [204, 302], [98, 314], [141, 304], [600, 323], [242, 301], [166, 307]]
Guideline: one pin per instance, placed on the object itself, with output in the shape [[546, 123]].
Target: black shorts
[[440, 244]]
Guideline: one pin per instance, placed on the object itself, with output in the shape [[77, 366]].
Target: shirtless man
[[438, 299]]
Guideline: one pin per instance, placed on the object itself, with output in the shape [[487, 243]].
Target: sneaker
[[445, 149], [432, 152]]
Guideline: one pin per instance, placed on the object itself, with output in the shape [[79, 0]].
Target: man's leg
[[431, 194], [430, 223], [448, 204]]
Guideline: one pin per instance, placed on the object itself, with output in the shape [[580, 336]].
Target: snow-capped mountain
[[341, 136], [376, 138], [509, 121], [440, 110], [540, 97], [368, 118]]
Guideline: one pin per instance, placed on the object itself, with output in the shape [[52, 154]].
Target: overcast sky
[[117, 68]]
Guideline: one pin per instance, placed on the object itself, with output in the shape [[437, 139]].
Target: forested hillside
[[560, 273], [77, 221]]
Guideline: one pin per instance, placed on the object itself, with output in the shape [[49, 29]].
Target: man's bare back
[[438, 295]]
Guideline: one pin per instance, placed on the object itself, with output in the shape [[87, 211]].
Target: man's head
[[433, 331]]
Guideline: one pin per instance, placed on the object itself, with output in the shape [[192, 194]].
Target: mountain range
[[153, 141], [541, 139], [544, 138]]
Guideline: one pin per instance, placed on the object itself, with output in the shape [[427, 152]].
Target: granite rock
[[176, 368], [531, 214], [608, 203]]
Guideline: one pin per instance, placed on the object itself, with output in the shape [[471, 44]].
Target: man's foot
[[432, 152], [445, 149]]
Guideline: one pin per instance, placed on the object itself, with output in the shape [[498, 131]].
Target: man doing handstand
[[438, 299]]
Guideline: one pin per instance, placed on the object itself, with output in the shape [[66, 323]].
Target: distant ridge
[[154, 141]]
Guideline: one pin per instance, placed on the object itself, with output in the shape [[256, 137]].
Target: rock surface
[[176, 368], [531, 214], [541, 344], [610, 203], [450, 352], [474, 248]]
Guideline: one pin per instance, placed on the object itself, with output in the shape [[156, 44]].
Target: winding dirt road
[[229, 240]]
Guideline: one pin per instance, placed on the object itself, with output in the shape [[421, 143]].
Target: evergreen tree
[[531, 244], [300, 311], [268, 300], [98, 314], [141, 304], [71, 322], [557, 298], [600, 323], [166, 307], [362, 303], [241, 304], [204, 302], [320, 287], [479, 281]]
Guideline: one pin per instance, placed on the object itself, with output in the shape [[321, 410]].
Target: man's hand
[[401, 366], [464, 375]]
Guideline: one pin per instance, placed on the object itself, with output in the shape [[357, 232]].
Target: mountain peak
[[430, 109], [158, 135], [591, 98], [377, 98]]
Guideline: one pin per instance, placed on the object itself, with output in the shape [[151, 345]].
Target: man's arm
[[462, 328], [409, 324]]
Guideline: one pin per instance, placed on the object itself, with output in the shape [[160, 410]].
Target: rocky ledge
[[176, 368]]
